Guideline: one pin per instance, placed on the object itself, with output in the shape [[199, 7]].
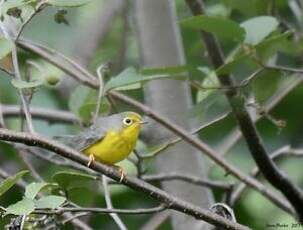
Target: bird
[[109, 140]]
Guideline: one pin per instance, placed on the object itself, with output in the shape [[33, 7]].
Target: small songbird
[[109, 140]]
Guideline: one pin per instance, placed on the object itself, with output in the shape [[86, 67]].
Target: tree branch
[[50, 115], [269, 169], [187, 178], [137, 184], [102, 210]]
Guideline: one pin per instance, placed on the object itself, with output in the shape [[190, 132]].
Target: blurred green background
[[120, 47]]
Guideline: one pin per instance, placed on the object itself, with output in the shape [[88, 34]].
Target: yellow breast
[[115, 146]]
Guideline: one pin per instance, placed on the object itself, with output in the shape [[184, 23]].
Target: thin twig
[[282, 152], [176, 140], [188, 178], [59, 211], [76, 216], [29, 165], [283, 68], [243, 84], [37, 9], [109, 204], [25, 105], [139, 163], [100, 73]]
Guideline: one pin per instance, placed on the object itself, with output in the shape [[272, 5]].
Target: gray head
[[118, 121]]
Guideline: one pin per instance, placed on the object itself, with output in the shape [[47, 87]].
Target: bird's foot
[[122, 173], [91, 160]]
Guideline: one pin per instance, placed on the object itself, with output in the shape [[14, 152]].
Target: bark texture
[[160, 45]]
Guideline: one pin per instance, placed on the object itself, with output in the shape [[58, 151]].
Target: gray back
[[95, 132]]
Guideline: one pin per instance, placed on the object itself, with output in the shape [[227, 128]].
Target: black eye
[[127, 121]]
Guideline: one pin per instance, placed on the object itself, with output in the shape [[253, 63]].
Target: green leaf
[[87, 109], [50, 202], [20, 84], [23, 207], [211, 105], [83, 102], [210, 81], [130, 76], [10, 182], [166, 70], [224, 28], [270, 46], [34, 188], [246, 7], [67, 179], [272, 80], [233, 62], [219, 10], [68, 3], [258, 28], [13, 4], [6, 47]]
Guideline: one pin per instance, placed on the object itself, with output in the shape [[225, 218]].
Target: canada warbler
[[110, 140]]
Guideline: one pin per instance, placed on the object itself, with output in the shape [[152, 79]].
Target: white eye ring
[[127, 121]]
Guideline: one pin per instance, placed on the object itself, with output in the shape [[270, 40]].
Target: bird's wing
[[89, 136]]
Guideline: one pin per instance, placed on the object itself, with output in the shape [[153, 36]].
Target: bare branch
[[102, 210], [188, 178], [37, 9], [100, 73], [25, 105], [283, 69], [50, 115], [137, 184], [109, 205]]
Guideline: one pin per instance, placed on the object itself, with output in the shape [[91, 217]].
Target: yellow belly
[[111, 149]]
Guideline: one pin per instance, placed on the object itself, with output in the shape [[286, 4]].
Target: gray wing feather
[[92, 134]]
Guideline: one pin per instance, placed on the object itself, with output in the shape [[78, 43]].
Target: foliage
[[254, 35]]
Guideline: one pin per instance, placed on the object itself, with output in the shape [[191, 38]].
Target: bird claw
[[122, 173], [91, 160]]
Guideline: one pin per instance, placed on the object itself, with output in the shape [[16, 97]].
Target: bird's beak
[[143, 122]]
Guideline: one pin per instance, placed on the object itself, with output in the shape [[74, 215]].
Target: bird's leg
[[91, 159], [122, 173]]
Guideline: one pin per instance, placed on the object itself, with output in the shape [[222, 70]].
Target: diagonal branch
[[269, 169], [170, 201]]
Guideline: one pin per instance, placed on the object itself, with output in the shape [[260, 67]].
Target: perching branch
[[169, 201]]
